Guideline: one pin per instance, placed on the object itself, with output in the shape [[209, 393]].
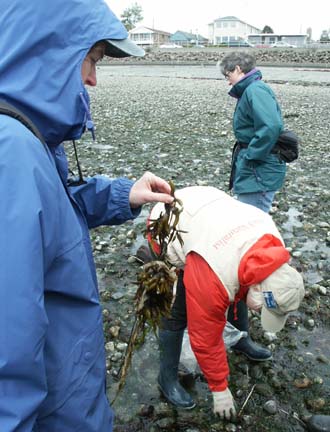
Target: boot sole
[[173, 403], [252, 358]]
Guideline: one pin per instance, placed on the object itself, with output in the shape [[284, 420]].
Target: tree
[[267, 29], [131, 16]]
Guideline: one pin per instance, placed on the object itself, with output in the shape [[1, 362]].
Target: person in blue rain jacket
[[52, 363]]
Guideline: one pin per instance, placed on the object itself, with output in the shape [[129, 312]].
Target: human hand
[[224, 404], [149, 188]]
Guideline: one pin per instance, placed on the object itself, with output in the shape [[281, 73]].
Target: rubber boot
[[246, 345], [170, 349], [319, 423]]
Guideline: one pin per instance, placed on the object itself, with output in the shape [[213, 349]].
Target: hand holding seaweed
[[154, 295]]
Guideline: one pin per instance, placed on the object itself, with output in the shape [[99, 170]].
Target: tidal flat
[[177, 123]]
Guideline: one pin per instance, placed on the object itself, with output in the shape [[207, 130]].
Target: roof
[[233, 18], [151, 30], [182, 35]]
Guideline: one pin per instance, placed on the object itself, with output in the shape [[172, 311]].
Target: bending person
[[231, 251]]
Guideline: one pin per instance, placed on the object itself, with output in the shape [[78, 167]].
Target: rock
[[310, 323], [322, 359], [132, 259], [114, 331], [270, 407], [146, 410], [110, 346], [318, 423], [264, 390], [230, 427], [121, 346], [118, 295], [302, 383], [315, 404], [165, 423], [322, 290]]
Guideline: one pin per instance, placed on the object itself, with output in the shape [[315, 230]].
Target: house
[[149, 37], [186, 39], [265, 40], [230, 31]]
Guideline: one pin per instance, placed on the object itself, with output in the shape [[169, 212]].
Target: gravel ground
[[181, 129]]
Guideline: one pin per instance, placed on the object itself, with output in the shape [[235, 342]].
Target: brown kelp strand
[[163, 230], [154, 296]]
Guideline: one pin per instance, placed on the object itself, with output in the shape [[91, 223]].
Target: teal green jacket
[[257, 122]]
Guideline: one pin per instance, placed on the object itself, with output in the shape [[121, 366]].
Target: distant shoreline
[[300, 57]]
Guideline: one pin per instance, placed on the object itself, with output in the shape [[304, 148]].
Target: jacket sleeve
[[267, 122], [23, 319], [207, 302], [261, 260], [104, 201]]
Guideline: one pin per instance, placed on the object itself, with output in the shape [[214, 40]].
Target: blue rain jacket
[[52, 363], [258, 123]]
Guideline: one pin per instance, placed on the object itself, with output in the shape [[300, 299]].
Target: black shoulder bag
[[287, 146]]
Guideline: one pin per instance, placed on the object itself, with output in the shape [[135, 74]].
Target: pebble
[[165, 423], [110, 346], [121, 346], [310, 323], [132, 259], [270, 407], [322, 359], [131, 234], [315, 404], [117, 295], [322, 290], [302, 383], [230, 427], [114, 331], [318, 380], [270, 337]]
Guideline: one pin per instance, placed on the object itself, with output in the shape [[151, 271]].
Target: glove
[[224, 405]]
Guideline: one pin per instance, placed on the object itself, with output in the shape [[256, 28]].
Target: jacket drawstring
[[90, 126], [80, 180], [89, 122]]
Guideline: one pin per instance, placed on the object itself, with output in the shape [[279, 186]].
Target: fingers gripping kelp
[[154, 296]]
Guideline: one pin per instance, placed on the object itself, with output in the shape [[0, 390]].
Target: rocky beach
[[176, 121]]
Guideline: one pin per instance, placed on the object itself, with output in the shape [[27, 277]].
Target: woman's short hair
[[242, 59]]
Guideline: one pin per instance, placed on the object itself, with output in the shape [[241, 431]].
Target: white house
[[230, 30], [148, 37], [264, 40]]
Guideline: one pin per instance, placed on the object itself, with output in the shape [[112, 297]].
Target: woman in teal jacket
[[257, 173], [52, 362]]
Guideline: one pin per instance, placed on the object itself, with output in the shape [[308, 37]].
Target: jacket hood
[[238, 89], [43, 45]]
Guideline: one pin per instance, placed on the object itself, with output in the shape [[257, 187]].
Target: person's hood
[[43, 44], [238, 89]]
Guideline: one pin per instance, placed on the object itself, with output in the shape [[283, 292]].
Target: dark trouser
[[170, 342], [242, 319], [178, 318]]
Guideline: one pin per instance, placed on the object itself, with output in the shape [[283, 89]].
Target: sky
[[283, 16]]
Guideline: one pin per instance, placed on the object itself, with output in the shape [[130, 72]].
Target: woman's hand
[[150, 188]]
